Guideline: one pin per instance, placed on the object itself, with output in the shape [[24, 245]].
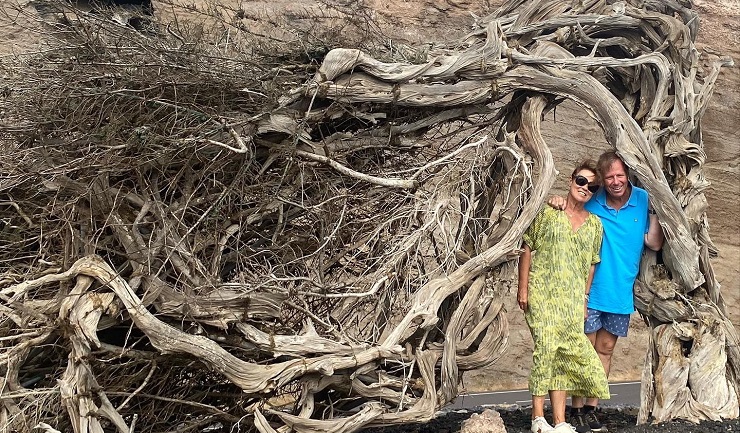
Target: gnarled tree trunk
[[210, 230]]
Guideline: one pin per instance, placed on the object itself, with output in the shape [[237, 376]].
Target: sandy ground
[[571, 134]]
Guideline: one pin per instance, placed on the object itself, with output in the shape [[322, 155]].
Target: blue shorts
[[615, 324]]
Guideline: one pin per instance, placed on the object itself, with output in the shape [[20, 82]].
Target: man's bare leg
[[576, 402], [604, 343]]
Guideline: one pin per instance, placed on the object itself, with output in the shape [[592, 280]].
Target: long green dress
[[563, 357]]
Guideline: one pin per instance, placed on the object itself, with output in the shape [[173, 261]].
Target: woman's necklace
[[575, 218], [572, 213]]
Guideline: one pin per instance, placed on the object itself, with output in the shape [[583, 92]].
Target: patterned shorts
[[616, 324]]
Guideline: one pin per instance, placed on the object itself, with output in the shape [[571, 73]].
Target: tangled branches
[[205, 229]]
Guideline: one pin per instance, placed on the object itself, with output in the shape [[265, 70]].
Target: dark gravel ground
[[517, 420]]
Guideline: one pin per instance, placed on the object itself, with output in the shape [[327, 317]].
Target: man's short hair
[[607, 159]]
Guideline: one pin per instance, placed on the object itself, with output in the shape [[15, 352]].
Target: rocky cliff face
[[571, 134]]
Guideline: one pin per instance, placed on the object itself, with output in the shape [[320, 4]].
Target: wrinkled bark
[[281, 247]]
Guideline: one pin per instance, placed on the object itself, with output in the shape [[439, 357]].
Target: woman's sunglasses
[[582, 181]]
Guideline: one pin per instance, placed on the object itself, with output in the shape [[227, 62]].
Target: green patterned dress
[[563, 357]]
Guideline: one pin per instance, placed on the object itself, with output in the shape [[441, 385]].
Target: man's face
[[615, 180]]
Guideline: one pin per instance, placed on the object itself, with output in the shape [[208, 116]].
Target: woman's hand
[[521, 299]]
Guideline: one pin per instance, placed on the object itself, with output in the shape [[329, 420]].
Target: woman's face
[[581, 193]]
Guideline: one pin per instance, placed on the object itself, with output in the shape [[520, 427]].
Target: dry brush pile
[[207, 226]]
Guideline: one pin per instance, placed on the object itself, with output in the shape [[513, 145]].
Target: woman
[[553, 293]]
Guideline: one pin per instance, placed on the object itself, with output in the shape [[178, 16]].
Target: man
[[629, 225]]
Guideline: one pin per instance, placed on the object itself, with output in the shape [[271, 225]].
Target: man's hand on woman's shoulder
[[557, 202]]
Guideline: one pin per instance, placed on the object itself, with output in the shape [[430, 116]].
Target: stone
[[488, 421]]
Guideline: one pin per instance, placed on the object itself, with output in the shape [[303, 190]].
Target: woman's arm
[[524, 261], [589, 280]]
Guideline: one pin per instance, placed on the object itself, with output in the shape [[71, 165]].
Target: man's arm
[[557, 202], [654, 237]]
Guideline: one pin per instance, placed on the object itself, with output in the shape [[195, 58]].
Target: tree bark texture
[[259, 242]]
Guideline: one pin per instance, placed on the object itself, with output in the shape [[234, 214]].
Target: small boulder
[[488, 421]]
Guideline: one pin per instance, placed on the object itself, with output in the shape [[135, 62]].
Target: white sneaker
[[563, 427], [540, 425]]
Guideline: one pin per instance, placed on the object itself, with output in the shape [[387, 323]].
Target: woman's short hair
[[589, 165]]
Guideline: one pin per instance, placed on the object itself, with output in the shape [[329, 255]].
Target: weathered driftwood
[[191, 243]]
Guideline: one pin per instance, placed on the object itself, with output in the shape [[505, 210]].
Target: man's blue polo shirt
[[624, 238]]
